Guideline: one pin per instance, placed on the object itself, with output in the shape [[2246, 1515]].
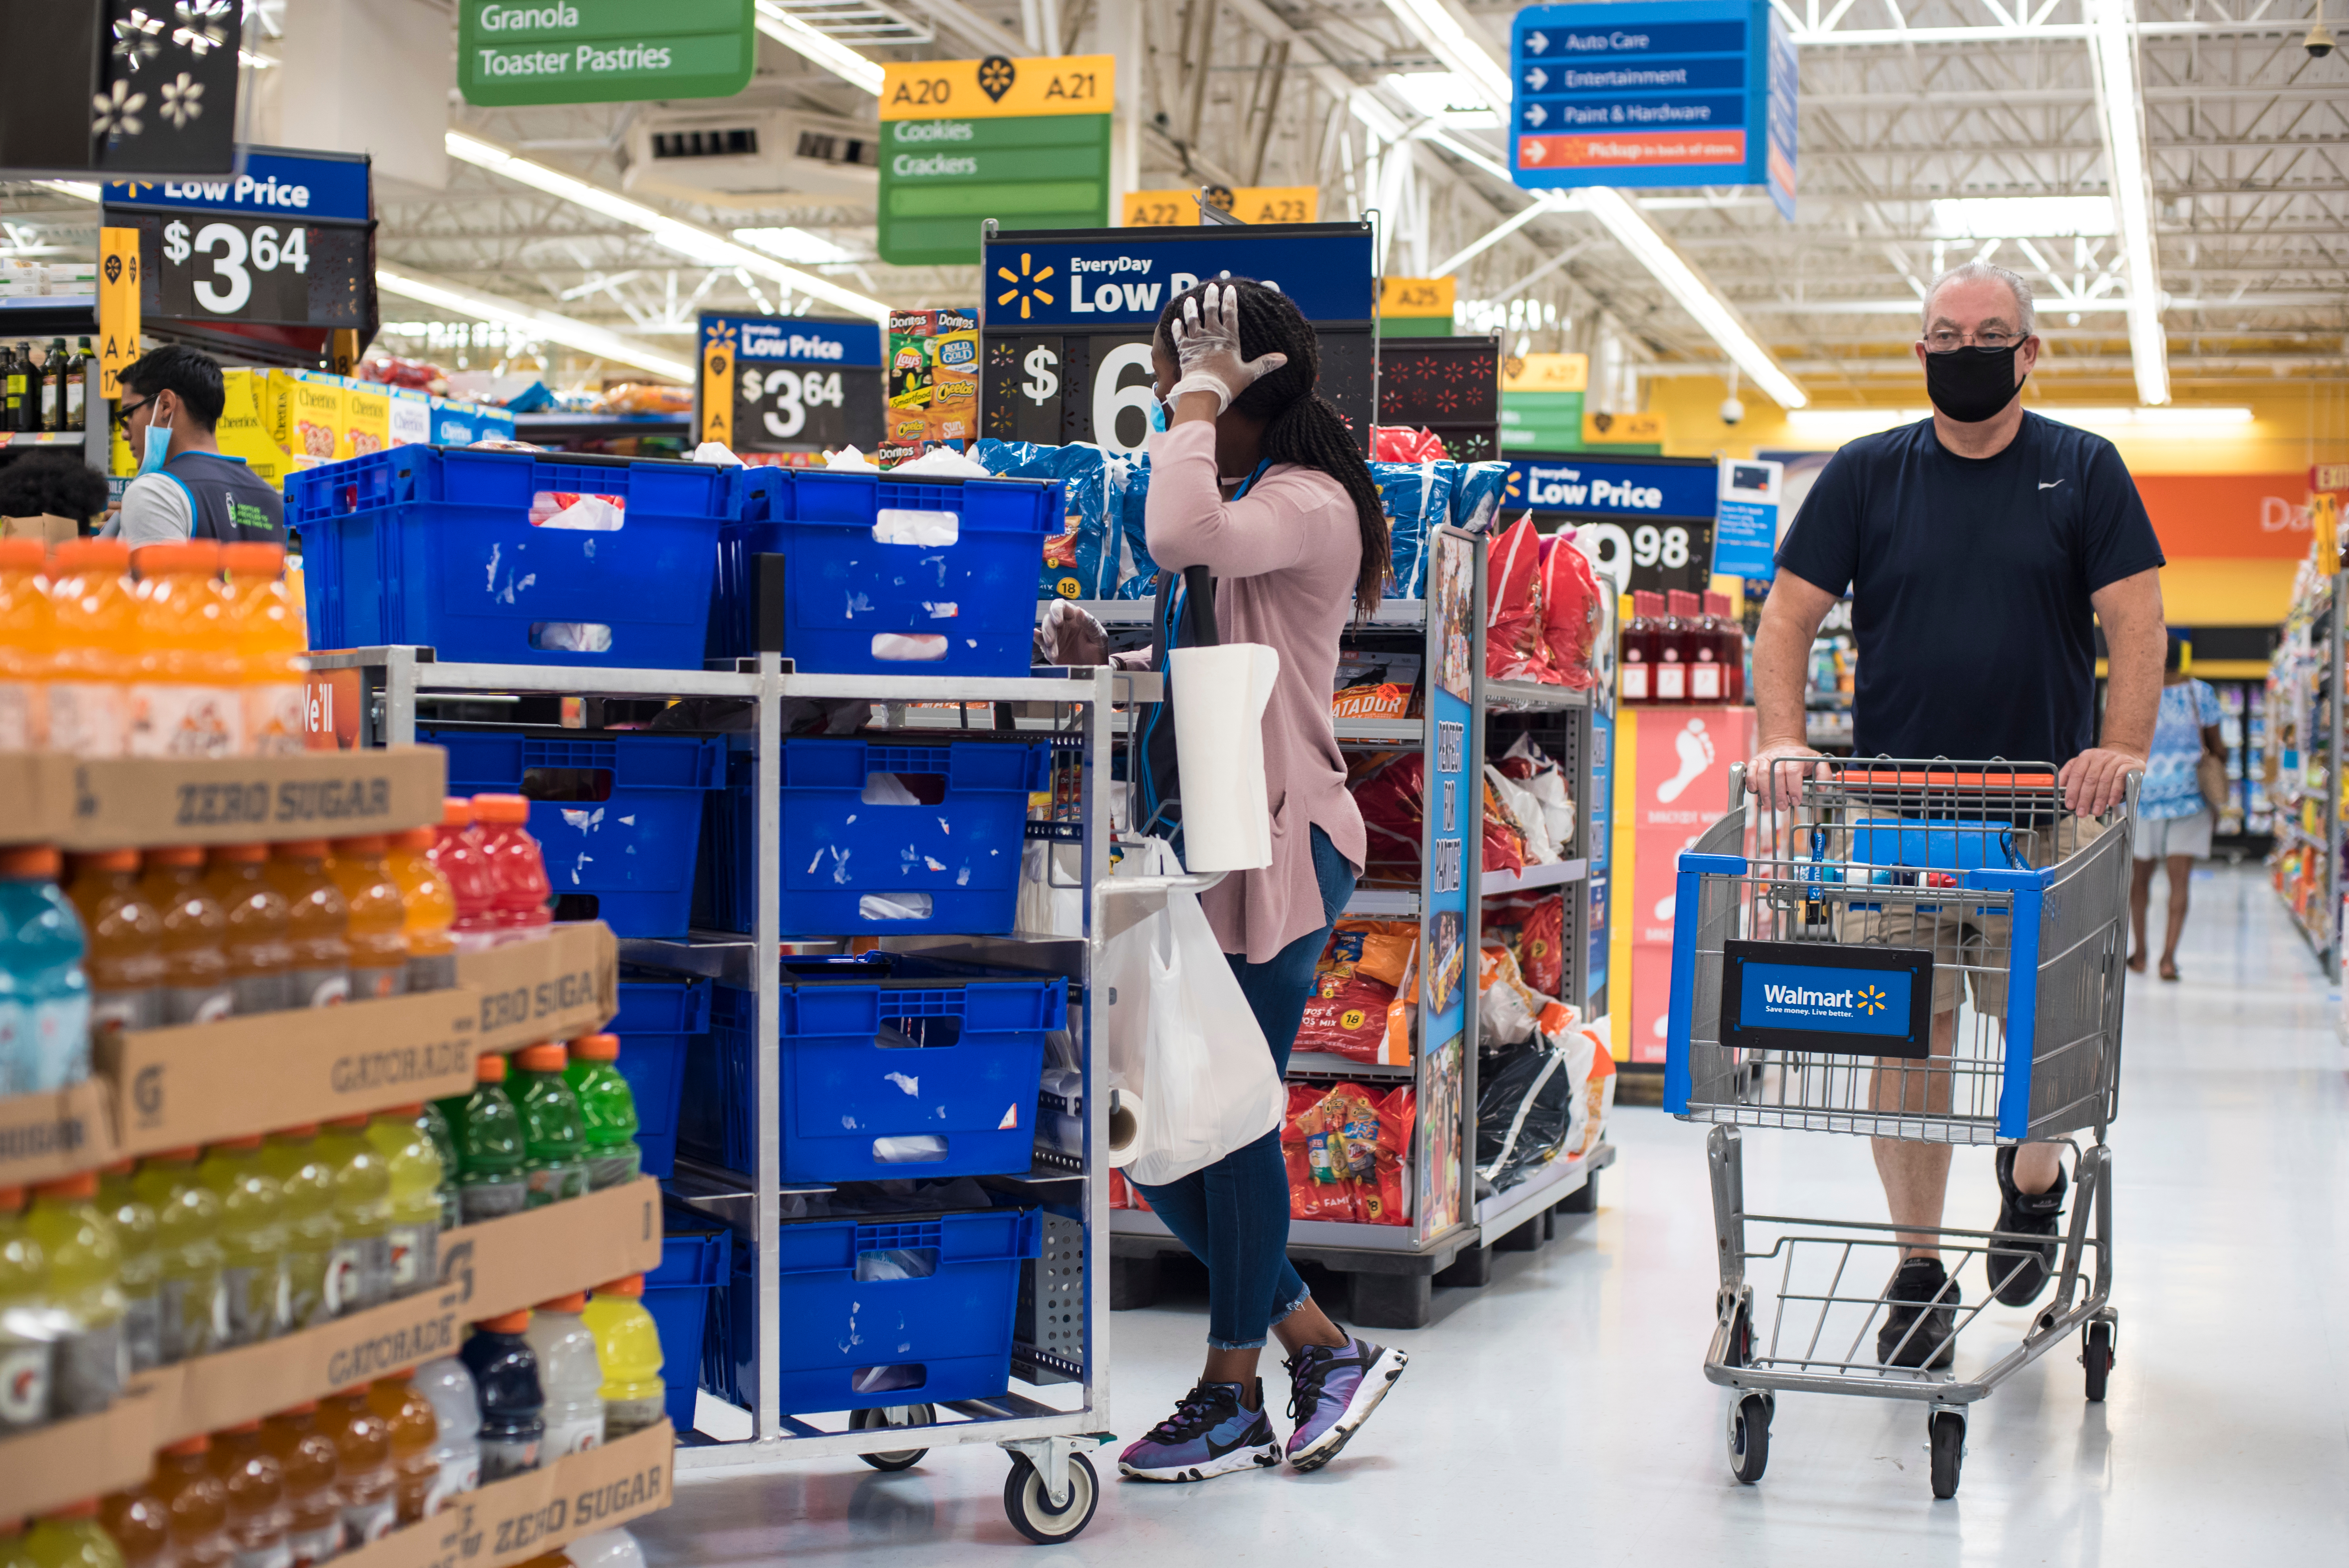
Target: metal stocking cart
[[1812, 926]]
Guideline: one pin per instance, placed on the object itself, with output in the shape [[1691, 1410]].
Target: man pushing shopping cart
[[1926, 951]]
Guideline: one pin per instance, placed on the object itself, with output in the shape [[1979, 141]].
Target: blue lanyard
[[1254, 474]]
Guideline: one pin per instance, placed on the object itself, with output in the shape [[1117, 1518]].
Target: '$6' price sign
[[235, 267]]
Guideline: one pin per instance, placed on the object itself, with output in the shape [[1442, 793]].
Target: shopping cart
[[1811, 927]]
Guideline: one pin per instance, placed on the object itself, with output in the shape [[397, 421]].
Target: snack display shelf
[[1049, 1437], [2304, 714]]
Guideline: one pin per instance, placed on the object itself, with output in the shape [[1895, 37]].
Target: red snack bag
[[1514, 649], [1396, 1114], [1504, 847], [1397, 444], [1316, 1190], [1571, 610], [1393, 802], [1541, 947], [1347, 1013]]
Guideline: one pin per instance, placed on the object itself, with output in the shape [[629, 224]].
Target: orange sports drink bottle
[[377, 916], [265, 625], [95, 609], [258, 923], [428, 910], [28, 645], [319, 923], [187, 694]]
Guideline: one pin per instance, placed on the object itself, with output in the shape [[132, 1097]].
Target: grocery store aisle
[[1560, 1411]]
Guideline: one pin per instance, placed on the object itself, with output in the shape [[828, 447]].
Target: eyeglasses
[[1945, 341], [122, 415]]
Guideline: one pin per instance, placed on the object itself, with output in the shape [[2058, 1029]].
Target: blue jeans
[[1234, 1214]]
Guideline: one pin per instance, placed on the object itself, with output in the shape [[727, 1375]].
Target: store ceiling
[[1905, 103]]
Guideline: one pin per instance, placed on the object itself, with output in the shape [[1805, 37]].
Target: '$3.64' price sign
[[234, 268], [791, 406]]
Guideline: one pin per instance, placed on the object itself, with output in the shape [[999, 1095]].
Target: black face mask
[[1970, 385]]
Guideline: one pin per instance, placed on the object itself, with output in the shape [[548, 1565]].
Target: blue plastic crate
[[965, 1053], [657, 1016], [632, 851], [423, 545], [959, 854], [849, 596], [696, 1262], [857, 1336]]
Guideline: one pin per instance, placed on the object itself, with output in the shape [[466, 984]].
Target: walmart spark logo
[[1025, 286], [1872, 1000]]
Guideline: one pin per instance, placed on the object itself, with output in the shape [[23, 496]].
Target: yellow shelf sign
[[1248, 203], [1628, 429], [118, 308], [998, 88], [1415, 296], [1545, 373]]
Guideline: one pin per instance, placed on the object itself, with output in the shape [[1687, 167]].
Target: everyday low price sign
[[603, 51]]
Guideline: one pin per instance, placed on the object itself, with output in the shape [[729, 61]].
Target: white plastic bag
[[1187, 1063]]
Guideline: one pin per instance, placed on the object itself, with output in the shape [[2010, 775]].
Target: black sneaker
[[1924, 1334], [2017, 1275]]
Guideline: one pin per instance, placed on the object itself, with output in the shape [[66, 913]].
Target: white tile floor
[[1559, 1414]]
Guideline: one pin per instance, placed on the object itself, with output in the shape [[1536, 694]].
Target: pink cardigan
[[1286, 554]]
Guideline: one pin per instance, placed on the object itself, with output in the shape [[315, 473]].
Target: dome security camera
[[1732, 411], [2319, 42]]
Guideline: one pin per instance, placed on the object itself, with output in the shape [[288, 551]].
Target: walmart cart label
[[1811, 997]]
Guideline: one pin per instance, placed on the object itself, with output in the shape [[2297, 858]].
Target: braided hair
[[1300, 425]]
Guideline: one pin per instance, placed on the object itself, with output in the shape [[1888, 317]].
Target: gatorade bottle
[[317, 923], [253, 1240], [125, 935], [554, 1137], [28, 645], [195, 929], [142, 1265], [313, 1510], [505, 1371], [268, 634], [416, 1472], [44, 992], [291, 1157], [428, 910], [187, 694], [487, 1131], [363, 1474], [254, 1480], [88, 1365], [194, 1300], [457, 1427], [96, 613], [613, 1548], [629, 1348], [378, 948], [360, 1275], [517, 870], [198, 1503], [608, 1109], [259, 958], [569, 1376], [139, 1524], [71, 1537], [406, 1151], [456, 854], [24, 1343], [444, 1144]]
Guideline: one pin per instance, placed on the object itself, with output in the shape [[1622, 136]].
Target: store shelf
[[1520, 695], [1322, 1064], [1396, 904], [1557, 873], [1380, 731], [1559, 1180], [69, 440]]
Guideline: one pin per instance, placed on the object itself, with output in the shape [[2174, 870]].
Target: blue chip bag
[[1137, 573], [1417, 500], [1476, 497], [1080, 561]]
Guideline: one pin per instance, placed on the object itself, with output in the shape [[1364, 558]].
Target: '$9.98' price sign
[[235, 268]]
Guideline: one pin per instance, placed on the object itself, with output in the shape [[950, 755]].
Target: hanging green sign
[[1024, 141], [603, 51]]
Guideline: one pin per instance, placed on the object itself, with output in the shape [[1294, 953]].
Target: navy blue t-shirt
[[1969, 579]]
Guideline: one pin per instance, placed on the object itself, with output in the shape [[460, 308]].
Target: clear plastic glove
[[1066, 634], [1207, 349], [1775, 771]]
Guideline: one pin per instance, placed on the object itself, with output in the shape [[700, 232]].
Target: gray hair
[[1985, 272]]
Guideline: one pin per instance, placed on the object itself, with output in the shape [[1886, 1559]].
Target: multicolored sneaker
[[1332, 1392], [1211, 1433]]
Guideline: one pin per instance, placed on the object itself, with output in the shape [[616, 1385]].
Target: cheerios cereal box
[[365, 429]]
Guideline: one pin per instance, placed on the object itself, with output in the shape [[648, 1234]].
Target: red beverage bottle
[[1732, 647], [1707, 681], [1676, 646], [1636, 671], [456, 854], [517, 871]]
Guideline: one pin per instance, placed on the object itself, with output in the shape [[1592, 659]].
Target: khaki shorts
[[1967, 941]]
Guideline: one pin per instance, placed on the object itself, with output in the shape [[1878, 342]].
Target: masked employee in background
[[1980, 548], [187, 488]]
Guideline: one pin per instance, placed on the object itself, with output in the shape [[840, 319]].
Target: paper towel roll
[[1124, 1126], [1219, 698]]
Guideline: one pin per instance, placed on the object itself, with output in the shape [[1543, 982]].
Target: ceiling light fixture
[[2112, 47], [543, 324], [821, 47]]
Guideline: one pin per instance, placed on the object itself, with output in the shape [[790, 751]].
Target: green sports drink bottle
[[407, 1153], [360, 1275], [252, 1239], [85, 1285], [487, 1130], [194, 1316], [142, 1265], [444, 1144], [553, 1136], [608, 1109]]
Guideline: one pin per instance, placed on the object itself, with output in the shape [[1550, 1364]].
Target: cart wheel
[[1947, 1430], [893, 1415], [1740, 1335], [1749, 1438], [1030, 1507], [2096, 1356]]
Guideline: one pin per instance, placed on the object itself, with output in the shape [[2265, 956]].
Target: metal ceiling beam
[[548, 325]]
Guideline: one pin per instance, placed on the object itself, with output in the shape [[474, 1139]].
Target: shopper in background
[[1981, 547], [186, 488], [2173, 820], [1258, 479]]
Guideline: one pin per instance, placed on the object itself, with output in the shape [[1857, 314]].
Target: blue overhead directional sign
[[1676, 92]]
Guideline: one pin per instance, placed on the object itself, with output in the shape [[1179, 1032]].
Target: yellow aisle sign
[[118, 308], [1249, 203], [718, 383], [1545, 373], [1415, 296], [998, 88], [1610, 429]]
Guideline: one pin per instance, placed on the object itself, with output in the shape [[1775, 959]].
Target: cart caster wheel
[[1030, 1507], [893, 1415], [1741, 1336], [2096, 1356], [1947, 1431], [1749, 1438]]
